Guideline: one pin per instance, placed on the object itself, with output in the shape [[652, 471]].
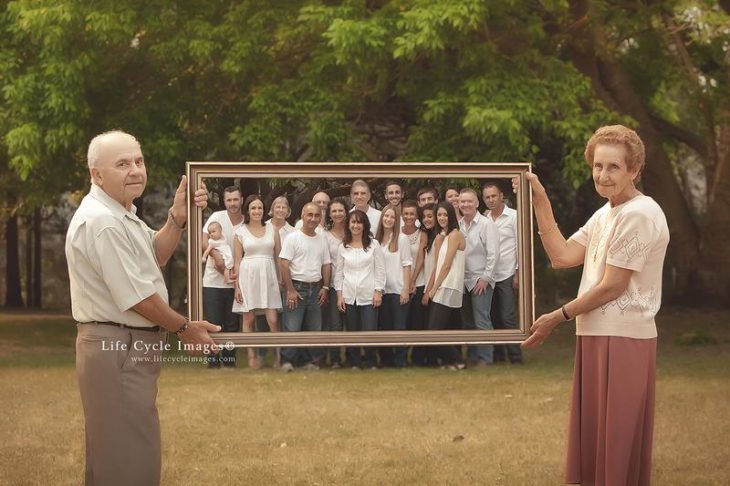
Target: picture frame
[[198, 172]]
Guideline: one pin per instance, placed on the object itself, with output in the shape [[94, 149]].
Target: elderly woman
[[622, 248]]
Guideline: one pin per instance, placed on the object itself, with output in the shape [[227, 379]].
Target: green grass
[[503, 426]]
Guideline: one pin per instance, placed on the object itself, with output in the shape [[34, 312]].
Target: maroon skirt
[[612, 411]]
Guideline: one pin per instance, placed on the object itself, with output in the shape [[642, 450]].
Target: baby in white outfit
[[216, 241]]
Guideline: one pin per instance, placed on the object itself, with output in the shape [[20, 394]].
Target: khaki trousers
[[117, 377]]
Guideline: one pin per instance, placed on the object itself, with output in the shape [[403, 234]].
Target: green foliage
[[408, 80]]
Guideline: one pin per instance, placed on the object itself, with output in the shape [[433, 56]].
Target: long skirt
[[612, 411]]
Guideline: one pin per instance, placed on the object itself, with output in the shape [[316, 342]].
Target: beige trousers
[[117, 377]]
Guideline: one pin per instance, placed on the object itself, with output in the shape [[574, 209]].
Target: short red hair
[[618, 135]]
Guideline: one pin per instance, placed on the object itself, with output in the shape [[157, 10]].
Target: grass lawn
[[505, 425]]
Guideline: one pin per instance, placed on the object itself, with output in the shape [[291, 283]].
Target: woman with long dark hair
[[446, 285], [360, 281], [332, 317], [256, 250]]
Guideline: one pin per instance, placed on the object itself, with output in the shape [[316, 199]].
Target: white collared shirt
[[359, 273], [507, 225], [211, 276], [112, 264], [482, 250]]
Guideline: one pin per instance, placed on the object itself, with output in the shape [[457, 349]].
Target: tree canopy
[[408, 80]]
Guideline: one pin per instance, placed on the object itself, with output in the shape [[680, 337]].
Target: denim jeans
[[361, 318], [417, 320], [306, 316], [332, 321], [217, 309], [475, 313], [503, 311], [392, 317]]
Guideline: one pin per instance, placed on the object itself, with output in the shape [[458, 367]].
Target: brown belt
[[309, 285], [125, 326]]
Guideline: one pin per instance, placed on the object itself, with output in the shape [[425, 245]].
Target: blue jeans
[[217, 309], [503, 310], [475, 313], [332, 320], [306, 316], [361, 318], [392, 317]]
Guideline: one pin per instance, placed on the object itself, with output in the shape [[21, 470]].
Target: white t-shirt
[[395, 262], [360, 273], [211, 276], [632, 235], [506, 222], [306, 255]]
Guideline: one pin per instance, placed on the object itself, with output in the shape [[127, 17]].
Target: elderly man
[[505, 271], [305, 264], [218, 293], [360, 196], [481, 255], [119, 299]]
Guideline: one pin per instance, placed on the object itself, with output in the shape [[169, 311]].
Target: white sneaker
[[310, 367], [336, 366], [287, 368]]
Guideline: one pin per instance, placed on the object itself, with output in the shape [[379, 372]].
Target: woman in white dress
[[256, 249], [332, 318], [446, 285]]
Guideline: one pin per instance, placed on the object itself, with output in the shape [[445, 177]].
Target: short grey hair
[[280, 200], [92, 156]]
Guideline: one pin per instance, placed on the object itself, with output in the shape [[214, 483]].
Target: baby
[[216, 241]]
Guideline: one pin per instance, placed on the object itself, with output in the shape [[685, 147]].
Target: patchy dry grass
[[504, 426]]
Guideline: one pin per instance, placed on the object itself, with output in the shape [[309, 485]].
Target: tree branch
[[692, 140]]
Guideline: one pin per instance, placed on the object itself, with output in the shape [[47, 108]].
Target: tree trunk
[[13, 294], [614, 86], [714, 273], [37, 301], [28, 262]]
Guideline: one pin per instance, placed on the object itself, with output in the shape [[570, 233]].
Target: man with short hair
[[481, 256], [505, 271], [360, 196], [393, 193], [120, 302], [427, 195], [305, 265], [218, 293]]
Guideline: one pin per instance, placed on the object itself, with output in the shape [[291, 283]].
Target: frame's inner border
[[198, 171]]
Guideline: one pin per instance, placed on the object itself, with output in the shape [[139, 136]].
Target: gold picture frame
[[198, 172]]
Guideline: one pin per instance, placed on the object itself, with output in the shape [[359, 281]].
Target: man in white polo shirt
[[505, 271], [119, 299], [481, 255], [218, 294], [305, 264]]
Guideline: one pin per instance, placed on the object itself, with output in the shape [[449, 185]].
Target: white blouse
[[359, 273], [395, 262], [414, 240]]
